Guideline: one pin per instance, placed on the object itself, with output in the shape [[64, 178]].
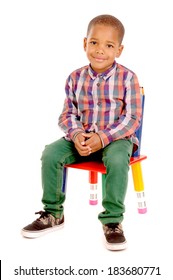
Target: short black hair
[[110, 21]]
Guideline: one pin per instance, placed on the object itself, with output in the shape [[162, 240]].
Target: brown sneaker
[[44, 224], [114, 237]]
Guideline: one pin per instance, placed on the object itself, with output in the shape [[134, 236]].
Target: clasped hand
[[87, 143]]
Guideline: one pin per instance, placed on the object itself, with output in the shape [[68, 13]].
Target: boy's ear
[[85, 43], [120, 49]]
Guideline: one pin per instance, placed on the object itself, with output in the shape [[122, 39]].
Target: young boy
[[101, 112]]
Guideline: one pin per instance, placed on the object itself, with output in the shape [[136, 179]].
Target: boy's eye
[[110, 46], [93, 42]]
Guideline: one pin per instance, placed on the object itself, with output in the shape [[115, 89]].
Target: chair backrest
[[139, 130]]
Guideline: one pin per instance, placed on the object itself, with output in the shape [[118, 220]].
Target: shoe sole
[[35, 234], [115, 246]]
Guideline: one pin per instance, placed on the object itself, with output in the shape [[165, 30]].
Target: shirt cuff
[[75, 133], [105, 139]]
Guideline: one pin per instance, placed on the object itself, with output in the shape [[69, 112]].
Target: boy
[[101, 112]]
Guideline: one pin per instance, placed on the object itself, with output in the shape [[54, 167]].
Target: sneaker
[[114, 237], [44, 224]]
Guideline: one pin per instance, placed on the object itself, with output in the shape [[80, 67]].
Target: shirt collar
[[104, 75]]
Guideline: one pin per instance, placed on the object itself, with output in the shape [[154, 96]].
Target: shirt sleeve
[[69, 120], [130, 118]]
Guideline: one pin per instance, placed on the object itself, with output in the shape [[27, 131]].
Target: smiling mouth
[[100, 59]]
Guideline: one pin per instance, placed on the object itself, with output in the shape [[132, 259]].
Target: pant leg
[[54, 157], [116, 157]]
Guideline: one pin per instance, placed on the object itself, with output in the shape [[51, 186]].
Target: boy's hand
[[80, 145], [92, 141]]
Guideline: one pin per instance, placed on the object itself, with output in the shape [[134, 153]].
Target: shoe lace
[[43, 215], [113, 228]]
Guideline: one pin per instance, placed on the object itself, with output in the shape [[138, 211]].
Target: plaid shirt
[[107, 103]]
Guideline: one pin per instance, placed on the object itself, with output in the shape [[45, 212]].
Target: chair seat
[[99, 166]]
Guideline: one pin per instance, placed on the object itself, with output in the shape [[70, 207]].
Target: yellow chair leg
[[139, 187]]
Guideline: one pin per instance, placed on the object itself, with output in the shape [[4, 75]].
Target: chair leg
[[139, 187], [103, 185], [93, 180], [64, 179]]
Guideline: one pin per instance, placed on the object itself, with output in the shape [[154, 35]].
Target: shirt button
[[98, 84], [99, 103]]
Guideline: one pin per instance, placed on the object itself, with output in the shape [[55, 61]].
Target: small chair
[[95, 167]]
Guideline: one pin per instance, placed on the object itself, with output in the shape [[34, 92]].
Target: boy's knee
[[117, 160], [118, 153], [48, 154]]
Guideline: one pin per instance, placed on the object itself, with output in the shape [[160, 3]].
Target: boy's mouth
[[100, 59]]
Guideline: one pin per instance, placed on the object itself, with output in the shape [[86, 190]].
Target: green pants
[[115, 156]]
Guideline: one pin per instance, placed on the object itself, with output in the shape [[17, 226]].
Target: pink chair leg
[[93, 180]]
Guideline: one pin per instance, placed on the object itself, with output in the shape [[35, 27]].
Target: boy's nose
[[100, 51]]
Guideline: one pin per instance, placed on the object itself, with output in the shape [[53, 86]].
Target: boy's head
[[108, 20], [103, 42]]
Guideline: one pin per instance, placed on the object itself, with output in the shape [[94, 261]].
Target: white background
[[41, 42]]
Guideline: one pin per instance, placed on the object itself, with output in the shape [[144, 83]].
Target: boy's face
[[102, 47]]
